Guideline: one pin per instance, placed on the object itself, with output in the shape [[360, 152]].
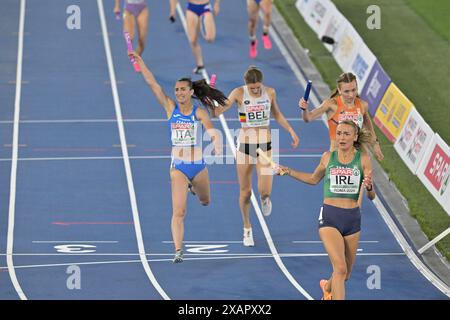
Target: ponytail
[[206, 94], [364, 139]]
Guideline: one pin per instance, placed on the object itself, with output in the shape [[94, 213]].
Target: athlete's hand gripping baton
[[130, 48], [212, 81], [274, 166], [307, 90]]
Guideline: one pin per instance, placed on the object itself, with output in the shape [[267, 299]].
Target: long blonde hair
[[364, 136]]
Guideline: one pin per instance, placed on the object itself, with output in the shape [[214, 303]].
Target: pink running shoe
[[267, 42], [253, 49]]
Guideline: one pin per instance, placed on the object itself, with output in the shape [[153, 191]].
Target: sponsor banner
[[414, 140], [334, 28], [317, 15], [362, 64], [434, 171], [304, 7], [375, 87], [301, 5], [392, 113], [346, 47]]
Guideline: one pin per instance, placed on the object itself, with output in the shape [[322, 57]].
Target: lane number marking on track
[[75, 248]]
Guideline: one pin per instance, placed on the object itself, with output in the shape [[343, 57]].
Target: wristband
[[371, 188]]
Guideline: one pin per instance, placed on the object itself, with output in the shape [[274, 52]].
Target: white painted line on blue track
[[209, 257], [196, 254], [319, 242], [236, 241], [72, 241], [207, 241], [423, 269], [126, 160], [15, 151], [115, 120], [145, 157]]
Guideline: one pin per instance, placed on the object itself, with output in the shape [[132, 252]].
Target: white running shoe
[[266, 206], [248, 238]]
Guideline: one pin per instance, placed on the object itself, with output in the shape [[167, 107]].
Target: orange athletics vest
[[343, 113]]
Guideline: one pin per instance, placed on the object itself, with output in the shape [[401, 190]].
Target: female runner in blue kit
[[188, 168]]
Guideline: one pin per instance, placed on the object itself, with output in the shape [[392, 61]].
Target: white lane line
[[134, 261], [15, 151], [133, 254], [191, 258], [196, 254], [44, 121], [255, 204], [72, 241], [415, 260], [206, 241], [126, 160], [236, 241], [423, 269], [317, 155], [319, 242]]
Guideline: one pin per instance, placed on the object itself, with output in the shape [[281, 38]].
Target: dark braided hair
[[205, 93]]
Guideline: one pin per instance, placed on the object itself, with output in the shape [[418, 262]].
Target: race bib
[[184, 134], [344, 180], [350, 116], [257, 116]]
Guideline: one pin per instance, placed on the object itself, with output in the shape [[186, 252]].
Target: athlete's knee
[[339, 270], [179, 213], [264, 194], [193, 43], [245, 194]]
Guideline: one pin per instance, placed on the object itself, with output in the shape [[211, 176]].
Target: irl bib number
[[344, 180]]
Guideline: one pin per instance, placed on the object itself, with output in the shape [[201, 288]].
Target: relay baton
[[308, 90], [130, 48], [269, 160], [212, 81]]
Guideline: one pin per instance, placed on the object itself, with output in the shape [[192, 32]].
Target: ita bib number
[[257, 116], [184, 134], [344, 180]]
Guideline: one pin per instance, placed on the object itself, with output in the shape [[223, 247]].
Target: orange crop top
[[343, 113]]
